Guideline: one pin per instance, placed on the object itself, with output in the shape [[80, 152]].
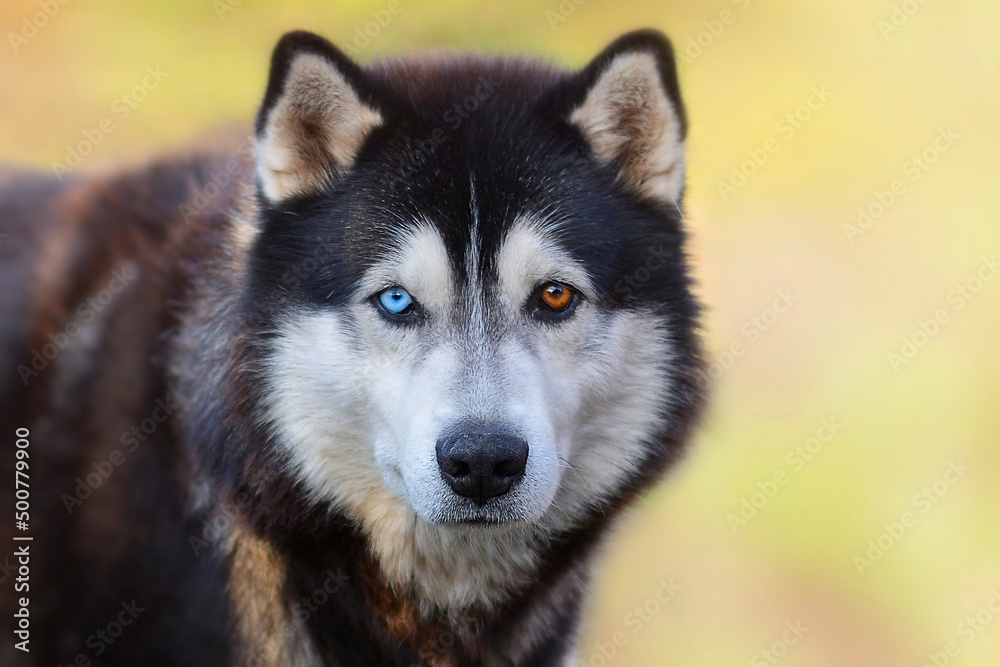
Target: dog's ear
[[316, 114], [628, 106]]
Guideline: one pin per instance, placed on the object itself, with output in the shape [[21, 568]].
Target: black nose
[[481, 462]]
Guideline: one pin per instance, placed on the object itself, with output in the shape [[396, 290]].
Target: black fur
[[523, 155]]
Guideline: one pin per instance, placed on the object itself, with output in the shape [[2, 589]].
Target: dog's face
[[478, 306]]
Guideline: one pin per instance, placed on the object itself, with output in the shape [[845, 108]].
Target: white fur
[[360, 403]]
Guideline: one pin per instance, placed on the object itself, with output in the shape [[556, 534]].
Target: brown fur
[[630, 123], [180, 329]]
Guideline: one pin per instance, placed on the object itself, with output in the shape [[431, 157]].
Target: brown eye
[[556, 297]]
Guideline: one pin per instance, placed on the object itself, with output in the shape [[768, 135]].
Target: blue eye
[[395, 300]]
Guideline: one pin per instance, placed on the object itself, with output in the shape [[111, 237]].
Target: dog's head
[[478, 308]]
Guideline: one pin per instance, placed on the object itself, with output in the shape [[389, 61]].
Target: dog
[[368, 388]]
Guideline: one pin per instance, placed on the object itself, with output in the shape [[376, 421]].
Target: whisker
[[572, 467]]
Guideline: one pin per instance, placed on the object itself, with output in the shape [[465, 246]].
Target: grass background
[[784, 229]]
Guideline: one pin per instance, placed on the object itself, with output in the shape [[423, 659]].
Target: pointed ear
[[316, 115], [629, 109]]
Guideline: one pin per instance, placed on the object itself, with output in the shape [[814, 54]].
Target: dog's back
[[91, 270]]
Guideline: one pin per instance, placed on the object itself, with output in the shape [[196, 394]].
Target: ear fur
[[629, 110], [316, 115]]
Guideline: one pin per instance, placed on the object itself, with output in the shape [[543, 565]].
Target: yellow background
[[827, 356]]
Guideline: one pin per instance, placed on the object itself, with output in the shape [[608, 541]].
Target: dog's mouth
[[488, 523], [497, 514]]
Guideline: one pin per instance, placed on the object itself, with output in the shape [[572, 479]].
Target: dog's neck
[[327, 600]]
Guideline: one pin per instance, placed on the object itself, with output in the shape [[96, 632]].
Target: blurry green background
[[894, 76]]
